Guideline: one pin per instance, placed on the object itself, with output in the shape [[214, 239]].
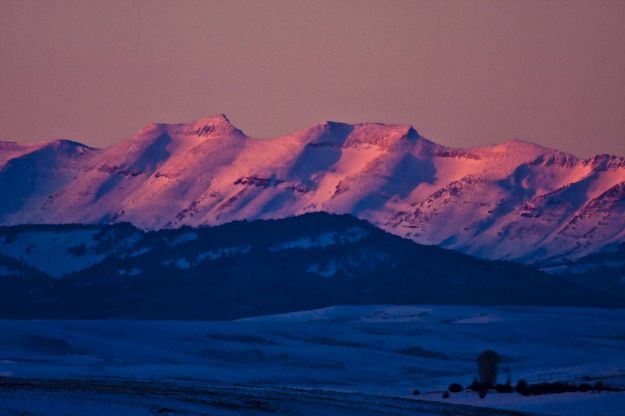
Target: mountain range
[[510, 201]]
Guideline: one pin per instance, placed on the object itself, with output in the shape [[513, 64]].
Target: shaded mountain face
[[515, 200], [250, 268]]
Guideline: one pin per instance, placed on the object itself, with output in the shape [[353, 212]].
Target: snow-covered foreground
[[120, 398], [363, 360]]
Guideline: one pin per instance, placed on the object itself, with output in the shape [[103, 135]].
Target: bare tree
[[487, 363]]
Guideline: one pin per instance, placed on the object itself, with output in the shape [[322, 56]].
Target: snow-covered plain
[[338, 360]]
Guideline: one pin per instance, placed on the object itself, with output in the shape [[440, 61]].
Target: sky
[[463, 73]]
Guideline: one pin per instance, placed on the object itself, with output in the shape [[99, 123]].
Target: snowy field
[[339, 360]]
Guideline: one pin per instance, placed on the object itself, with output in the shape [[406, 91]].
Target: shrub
[[416, 392], [483, 393], [455, 388], [446, 395], [560, 387], [475, 386], [521, 387], [503, 388]]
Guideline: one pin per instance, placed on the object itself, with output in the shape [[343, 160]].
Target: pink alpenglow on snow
[[514, 200]]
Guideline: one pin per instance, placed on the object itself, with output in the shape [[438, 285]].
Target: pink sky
[[464, 73]]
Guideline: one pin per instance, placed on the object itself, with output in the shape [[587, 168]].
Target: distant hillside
[[250, 268]]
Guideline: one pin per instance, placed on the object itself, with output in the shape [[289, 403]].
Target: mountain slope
[[251, 268], [515, 200]]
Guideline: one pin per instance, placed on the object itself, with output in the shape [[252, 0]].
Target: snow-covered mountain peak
[[59, 144], [214, 126], [362, 135], [516, 151], [399, 131], [217, 119], [70, 146], [52, 150], [516, 145]]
